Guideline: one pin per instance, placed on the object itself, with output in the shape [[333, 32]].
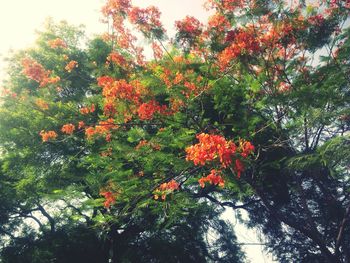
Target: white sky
[[20, 18]]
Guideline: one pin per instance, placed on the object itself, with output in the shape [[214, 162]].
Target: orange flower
[[188, 28], [110, 198], [90, 132], [239, 167], [166, 188], [71, 65], [209, 148], [86, 110], [117, 59], [148, 109], [141, 144], [49, 135], [68, 128], [57, 43], [213, 178], [42, 104], [81, 125], [33, 70], [246, 148]]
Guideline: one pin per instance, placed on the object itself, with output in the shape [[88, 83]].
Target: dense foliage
[[139, 156]]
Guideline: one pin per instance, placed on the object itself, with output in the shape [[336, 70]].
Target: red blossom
[[117, 59], [49, 135], [147, 110], [110, 198], [213, 178], [209, 148], [57, 43], [146, 19], [189, 27], [239, 167], [68, 128], [35, 71], [166, 188]]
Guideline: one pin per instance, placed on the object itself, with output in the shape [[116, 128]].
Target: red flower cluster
[[148, 109], [109, 109], [213, 178], [49, 135], [113, 7], [81, 125], [86, 110], [239, 167], [166, 188], [71, 65], [226, 5], [68, 128], [246, 148], [146, 19], [213, 147], [189, 26], [118, 89], [218, 22], [57, 43], [209, 148], [141, 144], [35, 71], [117, 59], [109, 198], [103, 128], [244, 42]]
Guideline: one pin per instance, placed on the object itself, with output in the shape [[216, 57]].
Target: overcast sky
[[20, 18]]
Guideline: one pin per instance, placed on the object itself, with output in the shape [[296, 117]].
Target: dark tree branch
[[227, 203], [341, 230], [46, 214]]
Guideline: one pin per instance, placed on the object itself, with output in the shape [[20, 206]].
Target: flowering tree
[[250, 110]]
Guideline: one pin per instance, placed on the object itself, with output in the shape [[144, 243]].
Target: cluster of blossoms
[[118, 89], [213, 147], [71, 65], [227, 5], [114, 7], [87, 110], [103, 128], [166, 188], [110, 198], [117, 59], [244, 42], [142, 143], [49, 135], [35, 71], [213, 178], [146, 19], [209, 148], [218, 22], [148, 109], [57, 43], [42, 104], [68, 128], [188, 29], [121, 91]]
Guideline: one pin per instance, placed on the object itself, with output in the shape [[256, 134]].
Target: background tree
[[63, 169]]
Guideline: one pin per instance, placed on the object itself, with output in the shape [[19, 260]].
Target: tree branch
[[51, 220], [341, 230]]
